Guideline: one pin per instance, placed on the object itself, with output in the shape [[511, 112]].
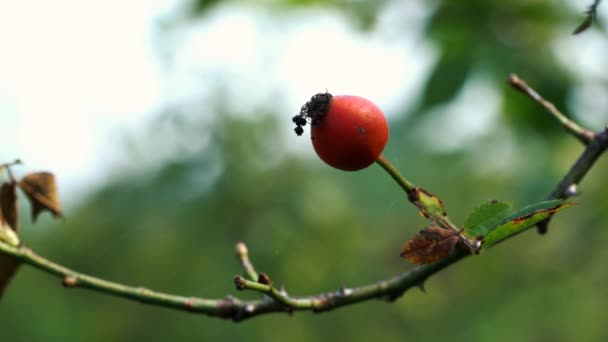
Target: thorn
[[572, 190], [70, 281], [542, 227], [282, 290], [346, 291], [477, 245], [421, 287]]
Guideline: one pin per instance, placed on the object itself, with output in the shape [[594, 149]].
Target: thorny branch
[[233, 308], [277, 300], [595, 142]]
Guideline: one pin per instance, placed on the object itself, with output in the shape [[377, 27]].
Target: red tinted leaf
[[429, 245]]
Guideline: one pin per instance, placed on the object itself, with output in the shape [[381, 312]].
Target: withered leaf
[[8, 267], [9, 207], [430, 206], [8, 264], [429, 245], [41, 190]]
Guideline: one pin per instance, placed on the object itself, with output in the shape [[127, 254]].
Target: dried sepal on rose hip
[[348, 132]]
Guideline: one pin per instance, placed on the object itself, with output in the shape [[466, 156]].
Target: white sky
[[76, 75]]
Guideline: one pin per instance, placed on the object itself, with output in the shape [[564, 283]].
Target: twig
[[234, 308], [596, 144], [278, 300], [591, 16], [429, 205], [582, 134], [568, 184], [406, 185], [243, 254]]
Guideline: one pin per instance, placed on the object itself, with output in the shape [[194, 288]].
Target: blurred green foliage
[[315, 229]]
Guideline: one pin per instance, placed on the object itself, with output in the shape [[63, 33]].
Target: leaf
[[8, 213], [429, 245], [8, 264], [485, 217], [584, 25], [523, 219], [446, 79], [41, 190], [9, 207], [430, 205], [8, 268]]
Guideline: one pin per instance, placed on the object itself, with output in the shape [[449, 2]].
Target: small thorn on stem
[[572, 190], [472, 245], [345, 291], [70, 281]]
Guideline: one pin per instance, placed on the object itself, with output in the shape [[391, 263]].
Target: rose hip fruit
[[348, 132]]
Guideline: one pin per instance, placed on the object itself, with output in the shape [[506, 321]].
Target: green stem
[[234, 308], [426, 203], [393, 172], [582, 134], [578, 170], [243, 254]]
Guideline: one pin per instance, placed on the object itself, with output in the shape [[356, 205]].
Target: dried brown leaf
[[8, 264], [8, 267], [429, 245], [9, 207], [41, 190]]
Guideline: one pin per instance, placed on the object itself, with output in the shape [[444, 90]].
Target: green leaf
[[430, 205], [523, 219], [486, 217], [447, 78]]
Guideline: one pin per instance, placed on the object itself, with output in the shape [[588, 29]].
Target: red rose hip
[[348, 132]]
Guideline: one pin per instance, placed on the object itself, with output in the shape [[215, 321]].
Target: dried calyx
[[312, 111]]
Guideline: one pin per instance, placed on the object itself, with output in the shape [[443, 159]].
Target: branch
[[234, 308], [596, 144], [591, 16], [584, 135], [568, 185], [277, 300], [243, 254]]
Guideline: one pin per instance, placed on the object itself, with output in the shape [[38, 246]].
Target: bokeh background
[[168, 125]]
